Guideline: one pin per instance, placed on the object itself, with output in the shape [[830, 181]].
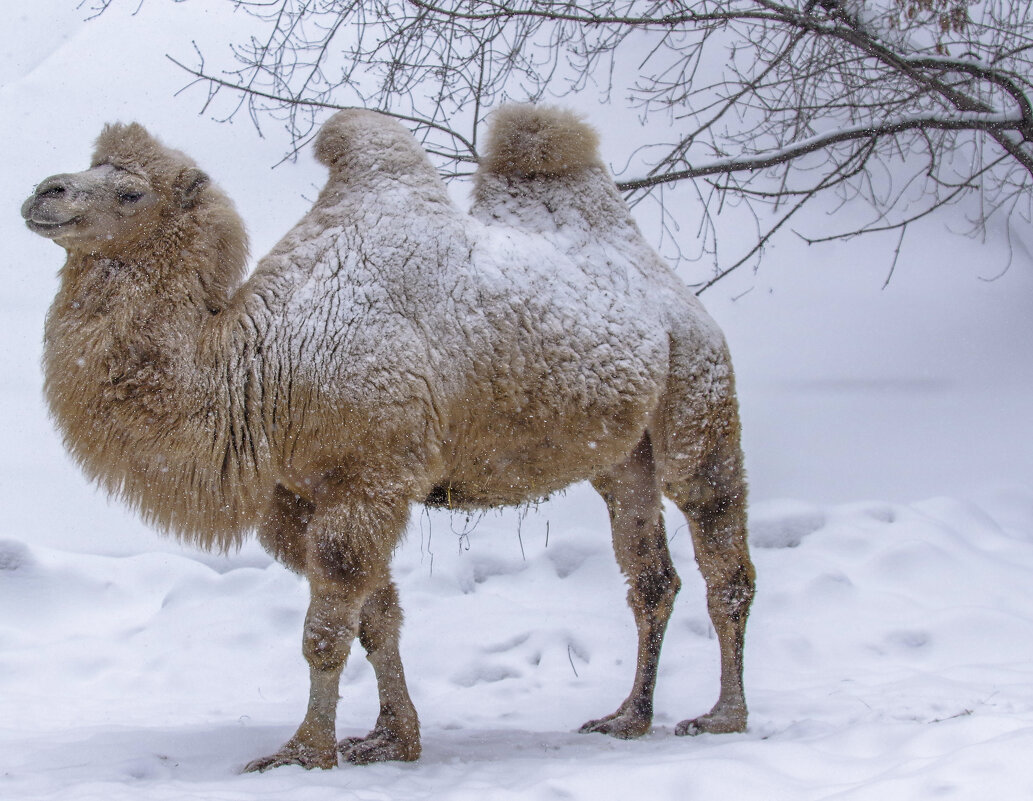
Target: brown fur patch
[[334, 141], [130, 147], [526, 141]]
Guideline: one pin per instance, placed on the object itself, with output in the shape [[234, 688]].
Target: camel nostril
[[51, 205]]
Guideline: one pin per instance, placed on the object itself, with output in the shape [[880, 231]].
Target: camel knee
[[731, 594], [327, 640], [655, 587], [341, 579]]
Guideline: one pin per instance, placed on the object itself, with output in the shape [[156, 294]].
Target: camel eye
[[129, 197]]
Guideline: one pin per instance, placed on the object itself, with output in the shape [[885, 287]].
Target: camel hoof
[[717, 722], [294, 754], [622, 725], [380, 745]]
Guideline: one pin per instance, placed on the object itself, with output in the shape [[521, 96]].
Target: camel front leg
[[396, 735], [330, 627], [346, 559]]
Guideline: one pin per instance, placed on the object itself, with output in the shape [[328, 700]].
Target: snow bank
[[890, 655]]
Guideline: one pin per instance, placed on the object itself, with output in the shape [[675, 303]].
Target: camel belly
[[512, 478], [520, 458]]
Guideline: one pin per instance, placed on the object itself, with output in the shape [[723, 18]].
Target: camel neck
[[136, 378]]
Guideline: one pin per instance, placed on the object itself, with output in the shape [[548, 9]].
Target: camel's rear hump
[[541, 172], [539, 141]]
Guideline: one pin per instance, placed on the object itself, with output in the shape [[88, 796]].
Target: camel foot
[[295, 753], [380, 745], [621, 724], [717, 721]]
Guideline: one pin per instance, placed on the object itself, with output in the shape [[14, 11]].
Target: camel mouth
[[49, 227], [46, 218]]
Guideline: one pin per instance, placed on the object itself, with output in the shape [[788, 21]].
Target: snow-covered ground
[[890, 656], [888, 435]]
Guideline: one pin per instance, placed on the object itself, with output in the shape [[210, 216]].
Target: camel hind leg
[[714, 502], [632, 495]]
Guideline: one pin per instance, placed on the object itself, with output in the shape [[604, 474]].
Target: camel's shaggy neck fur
[[136, 360]]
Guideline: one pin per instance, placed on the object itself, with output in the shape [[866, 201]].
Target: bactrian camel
[[392, 350]]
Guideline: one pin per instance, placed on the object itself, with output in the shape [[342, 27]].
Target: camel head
[[132, 188]]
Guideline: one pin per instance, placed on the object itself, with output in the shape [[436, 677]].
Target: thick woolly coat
[[390, 344]]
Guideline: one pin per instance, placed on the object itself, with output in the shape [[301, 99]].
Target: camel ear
[[188, 186]]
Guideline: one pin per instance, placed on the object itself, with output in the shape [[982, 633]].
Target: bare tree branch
[[908, 106], [973, 122]]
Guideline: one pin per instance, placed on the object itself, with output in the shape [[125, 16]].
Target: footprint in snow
[[14, 555], [784, 524], [484, 674]]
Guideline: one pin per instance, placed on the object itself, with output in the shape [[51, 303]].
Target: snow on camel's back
[[392, 350]]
